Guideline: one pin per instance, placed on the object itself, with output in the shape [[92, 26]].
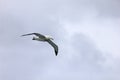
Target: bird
[[44, 38]]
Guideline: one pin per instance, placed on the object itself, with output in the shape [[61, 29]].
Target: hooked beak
[[52, 39]]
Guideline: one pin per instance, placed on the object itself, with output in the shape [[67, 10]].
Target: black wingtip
[[27, 34], [56, 53], [24, 35]]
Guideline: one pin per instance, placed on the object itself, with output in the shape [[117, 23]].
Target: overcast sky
[[86, 31]]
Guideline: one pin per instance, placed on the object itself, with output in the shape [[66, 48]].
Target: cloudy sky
[[86, 31]]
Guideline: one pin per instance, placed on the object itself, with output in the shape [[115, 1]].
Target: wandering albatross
[[44, 38]]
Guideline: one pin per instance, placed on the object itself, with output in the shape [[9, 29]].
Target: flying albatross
[[44, 38]]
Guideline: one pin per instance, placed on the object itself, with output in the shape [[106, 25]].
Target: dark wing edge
[[37, 34], [27, 34], [54, 46]]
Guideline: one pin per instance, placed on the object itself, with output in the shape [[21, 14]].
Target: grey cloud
[[108, 8], [78, 10], [90, 59], [87, 53], [24, 59]]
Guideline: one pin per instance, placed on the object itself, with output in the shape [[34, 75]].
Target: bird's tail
[[33, 38]]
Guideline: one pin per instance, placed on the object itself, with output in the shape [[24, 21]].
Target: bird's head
[[49, 37]]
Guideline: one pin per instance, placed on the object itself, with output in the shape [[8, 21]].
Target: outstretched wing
[[37, 34], [54, 46]]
